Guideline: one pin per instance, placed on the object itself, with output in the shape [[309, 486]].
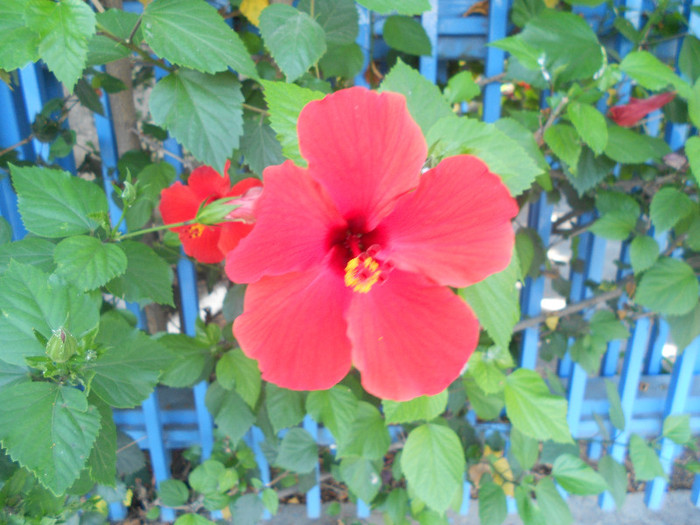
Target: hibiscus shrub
[[371, 240]]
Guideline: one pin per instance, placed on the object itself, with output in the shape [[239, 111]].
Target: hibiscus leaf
[[653, 74], [460, 135], [404, 7], [259, 145], [425, 102], [48, 429], [433, 463], [191, 33], [127, 370], [407, 35], [298, 452], [628, 147], [203, 112], [285, 102], [669, 287], [533, 410], [576, 476], [64, 29], [338, 18], [495, 302], [148, 277], [668, 206], [421, 408], [590, 124], [685, 328], [231, 414], [241, 374], [295, 40], [88, 263], [362, 477], [191, 362], [368, 436], [285, 407], [335, 408], [30, 301], [102, 49], [103, 457], [31, 250], [19, 42], [553, 505], [55, 204], [645, 460]]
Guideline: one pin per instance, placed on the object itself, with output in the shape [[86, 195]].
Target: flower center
[[361, 273], [195, 231]]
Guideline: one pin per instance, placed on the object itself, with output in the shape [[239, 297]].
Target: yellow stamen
[[361, 273], [195, 231]]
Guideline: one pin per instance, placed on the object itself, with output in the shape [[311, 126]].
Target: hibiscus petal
[[232, 233], [364, 148], [208, 184], [178, 203], [455, 228], [293, 325], [410, 337], [201, 242], [295, 218]]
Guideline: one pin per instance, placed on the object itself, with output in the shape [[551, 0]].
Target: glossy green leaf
[[101, 49], [645, 460], [617, 416], [237, 371], [677, 428], [342, 60], [533, 410], [127, 370], [433, 463], [652, 74], [335, 408], [421, 408], [552, 504], [192, 34], [190, 362], [338, 18], [685, 328], [35, 251], [19, 43], [295, 40], [525, 449], [668, 206], [486, 406], [407, 35], [231, 414], [362, 477], [576, 476], [692, 150], [619, 214], [298, 452], [590, 125], [55, 204], [203, 112], [644, 251], [461, 135], [49, 430], [492, 504], [629, 147], [286, 102], [193, 519], [32, 301], [173, 493], [563, 140], [425, 102], [590, 170], [88, 263], [615, 475], [367, 437], [670, 287], [148, 277], [285, 407], [259, 145], [404, 7], [495, 302], [64, 29], [461, 87], [103, 456]]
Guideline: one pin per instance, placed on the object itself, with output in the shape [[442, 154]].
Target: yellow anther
[[361, 273], [195, 231]]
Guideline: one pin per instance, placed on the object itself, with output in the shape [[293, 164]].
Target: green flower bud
[[128, 193], [62, 346]]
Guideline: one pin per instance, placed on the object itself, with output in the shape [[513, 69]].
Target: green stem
[[155, 229], [136, 49], [256, 109]]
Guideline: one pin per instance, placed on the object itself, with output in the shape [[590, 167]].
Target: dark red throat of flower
[[363, 266]]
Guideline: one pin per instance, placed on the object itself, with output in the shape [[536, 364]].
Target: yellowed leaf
[[226, 513], [552, 322], [551, 3], [145, 2], [252, 9], [503, 476]]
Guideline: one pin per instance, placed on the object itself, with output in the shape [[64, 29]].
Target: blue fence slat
[[675, 404], [313, 496], [629, 384], [540, 219], [498, 17], [429, 64], [364, 41]]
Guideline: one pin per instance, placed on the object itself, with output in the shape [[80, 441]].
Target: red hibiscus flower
[[351, 259], [629, 114], [180, 202]]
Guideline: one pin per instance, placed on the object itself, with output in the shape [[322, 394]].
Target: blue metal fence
[[160, 430]]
